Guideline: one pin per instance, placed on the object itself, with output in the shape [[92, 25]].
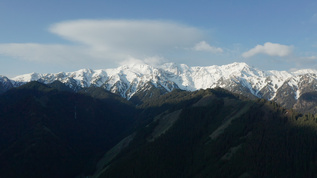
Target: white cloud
[[204, 46], [108, 41], [127, 37], [126, 33], [271, 49]]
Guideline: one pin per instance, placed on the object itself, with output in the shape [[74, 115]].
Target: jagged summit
[[130, 79]]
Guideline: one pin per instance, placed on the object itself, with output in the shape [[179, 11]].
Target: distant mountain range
[[129, 81]]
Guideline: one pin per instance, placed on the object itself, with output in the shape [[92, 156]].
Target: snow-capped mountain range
[[130, 79]]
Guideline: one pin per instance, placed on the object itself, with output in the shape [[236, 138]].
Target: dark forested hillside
[[45, 132], [218, 134], [51, 131]]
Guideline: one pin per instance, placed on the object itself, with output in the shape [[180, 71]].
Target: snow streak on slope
[[128, 80]]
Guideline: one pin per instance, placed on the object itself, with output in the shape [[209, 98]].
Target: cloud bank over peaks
[[271, 49], [153, 61]]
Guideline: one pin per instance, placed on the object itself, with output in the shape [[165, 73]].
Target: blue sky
[[53, 36]]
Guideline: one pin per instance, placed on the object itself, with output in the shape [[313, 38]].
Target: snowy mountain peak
[[27, 77], [236, 65], [128, 80], [305, 71]]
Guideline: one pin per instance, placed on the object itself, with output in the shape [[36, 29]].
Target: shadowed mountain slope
[[213, 133], [49, 133]]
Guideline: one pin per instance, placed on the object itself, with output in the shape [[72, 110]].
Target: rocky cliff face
[[5, 84], [307, 103]]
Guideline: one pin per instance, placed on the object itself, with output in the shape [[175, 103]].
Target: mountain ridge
[[128, 80]]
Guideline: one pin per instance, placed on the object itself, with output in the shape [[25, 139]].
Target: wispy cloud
[[108, 41], [204, 46], [271, 49], [310, 58], [43, 52], [314, 18], [303, 62]]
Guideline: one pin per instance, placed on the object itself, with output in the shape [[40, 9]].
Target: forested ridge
[[49, 131]]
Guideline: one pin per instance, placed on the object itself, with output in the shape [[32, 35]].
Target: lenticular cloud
[[128, 36], [107, 41]]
